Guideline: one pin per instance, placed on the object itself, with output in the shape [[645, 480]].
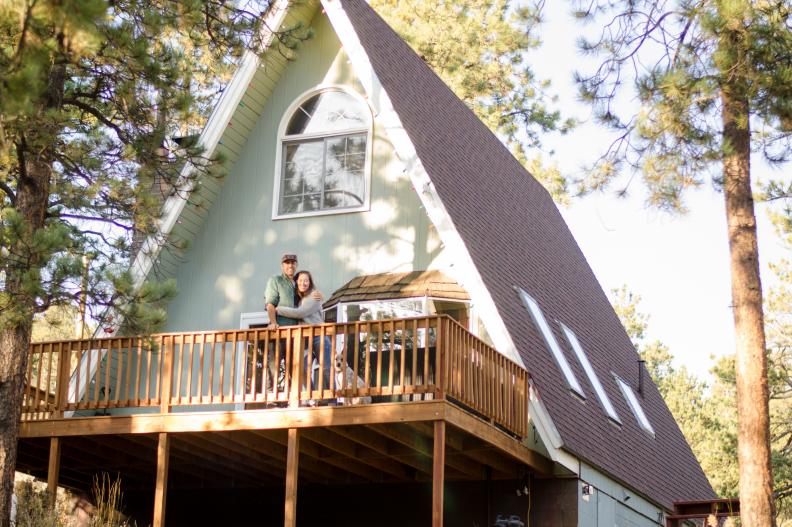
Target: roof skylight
[[635, 405], [550, 340], [602, 395]]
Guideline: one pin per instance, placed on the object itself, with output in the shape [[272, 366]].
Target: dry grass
[[104, 510]]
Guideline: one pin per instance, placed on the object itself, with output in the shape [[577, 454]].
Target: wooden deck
[[409, 400]]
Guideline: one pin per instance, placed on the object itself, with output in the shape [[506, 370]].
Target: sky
[[677, 264]]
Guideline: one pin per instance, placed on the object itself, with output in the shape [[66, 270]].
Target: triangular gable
[[506, 232]]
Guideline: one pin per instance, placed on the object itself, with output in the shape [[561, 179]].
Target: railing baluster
[[234, 374], [427, 346], [138, 370], [77, 390], [128, 377], [416, 348], [252, 372], [119, 371], [191, 378], [356, 359], [380, 356], [223, 346], [367, 360], [307, 362], [212, 343], [168, 359], [107, 358], [441, 356], [48, 402]]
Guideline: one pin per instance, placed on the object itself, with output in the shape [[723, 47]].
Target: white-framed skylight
[[635, 405], [552, 344], [602, 395]]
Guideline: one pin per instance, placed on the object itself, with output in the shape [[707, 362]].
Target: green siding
[[607, 506], [239, 245]]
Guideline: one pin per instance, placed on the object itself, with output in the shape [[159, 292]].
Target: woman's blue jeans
[[327, 350]]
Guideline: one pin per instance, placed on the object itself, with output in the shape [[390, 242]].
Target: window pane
[[330, 111], [590, 373], [291, 204], [356, 144], [384, 310], [355, 162], [551, 342], [302, 116], [292, 187], [635, 406], [312, 202], [302, 170]]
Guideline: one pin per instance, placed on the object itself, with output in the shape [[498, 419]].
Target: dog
[[340, 367]]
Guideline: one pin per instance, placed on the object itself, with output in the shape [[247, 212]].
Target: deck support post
[[292, 458], [53, 469], [438, 473], [161, 490]]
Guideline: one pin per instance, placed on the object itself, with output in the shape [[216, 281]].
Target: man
[[280, 292]]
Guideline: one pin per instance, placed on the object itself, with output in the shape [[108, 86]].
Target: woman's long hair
[[311, 287]]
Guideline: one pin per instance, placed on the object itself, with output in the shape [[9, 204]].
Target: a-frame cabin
[[481, 378]]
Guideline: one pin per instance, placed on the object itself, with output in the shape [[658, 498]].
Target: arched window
[[324, 156]]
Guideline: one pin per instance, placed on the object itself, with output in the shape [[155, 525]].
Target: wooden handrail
[[357, 362]]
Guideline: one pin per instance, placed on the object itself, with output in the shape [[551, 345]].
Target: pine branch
[[99, 116], [93, 218]]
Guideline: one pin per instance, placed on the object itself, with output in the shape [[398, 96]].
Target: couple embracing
[[292, 299]]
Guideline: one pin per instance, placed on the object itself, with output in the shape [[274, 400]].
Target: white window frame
[[282, 138], [635, 405], [602, 395], [552, 344], [253, 318]]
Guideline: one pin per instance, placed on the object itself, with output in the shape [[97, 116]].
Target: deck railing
[[370, 361]]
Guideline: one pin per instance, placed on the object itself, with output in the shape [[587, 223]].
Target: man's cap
[[288, 256]]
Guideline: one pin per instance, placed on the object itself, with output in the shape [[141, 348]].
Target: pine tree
[[712, 79], [90, 92]]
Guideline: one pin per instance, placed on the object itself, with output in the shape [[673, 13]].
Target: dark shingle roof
[[517, 237], [385, 286]]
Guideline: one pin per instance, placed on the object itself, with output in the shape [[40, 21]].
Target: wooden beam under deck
[[292, 464], [161, 489], [335, 418], [53, 469], [438, 472]]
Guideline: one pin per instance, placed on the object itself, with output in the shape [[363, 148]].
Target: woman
[[310, 312]]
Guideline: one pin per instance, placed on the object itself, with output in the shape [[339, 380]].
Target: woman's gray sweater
[[309, 312]]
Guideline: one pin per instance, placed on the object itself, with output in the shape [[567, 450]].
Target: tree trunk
[[32, 197], [14, 345], [756, 480]]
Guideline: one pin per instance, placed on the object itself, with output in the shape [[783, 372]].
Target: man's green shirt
[[280, 292]]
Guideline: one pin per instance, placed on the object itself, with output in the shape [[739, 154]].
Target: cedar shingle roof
[[517, 237], [398, 285]]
